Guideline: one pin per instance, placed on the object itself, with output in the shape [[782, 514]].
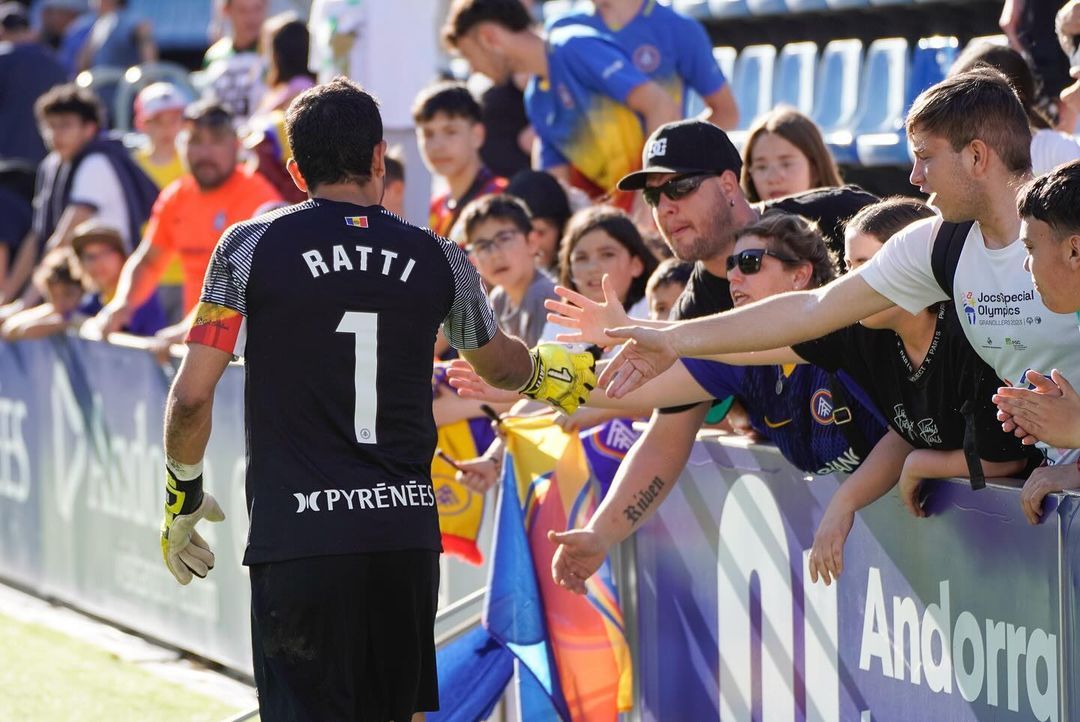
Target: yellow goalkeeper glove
[[560, 378], [184, 550]]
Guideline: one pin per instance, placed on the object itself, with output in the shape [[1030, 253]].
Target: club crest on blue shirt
[[356, 221], [219, 221], [647, 58], [821, 407]]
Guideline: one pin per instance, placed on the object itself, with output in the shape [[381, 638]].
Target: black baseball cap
[[685, 146], [13, 17]]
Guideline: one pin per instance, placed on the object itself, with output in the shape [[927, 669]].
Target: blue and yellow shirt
[[670, 48], [579, 110]]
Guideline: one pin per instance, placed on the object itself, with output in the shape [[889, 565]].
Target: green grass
[[45, 675]]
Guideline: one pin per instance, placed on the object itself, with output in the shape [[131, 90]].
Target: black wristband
[[191, 492]]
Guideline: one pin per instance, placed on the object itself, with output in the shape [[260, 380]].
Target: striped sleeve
[[471, 322]]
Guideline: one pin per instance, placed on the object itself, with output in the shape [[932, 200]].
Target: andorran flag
[[573, 647]]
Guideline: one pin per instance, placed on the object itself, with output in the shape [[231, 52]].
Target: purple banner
[[953, 617]]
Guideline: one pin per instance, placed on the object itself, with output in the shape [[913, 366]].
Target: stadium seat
[[725, 8], [752, 83], [806, 6], [879, 123], [693, 8], [845, 4], [766, 7], [891, 2], [557, 8], [794, 81], [930, 63], [725, 57], [836, 90]]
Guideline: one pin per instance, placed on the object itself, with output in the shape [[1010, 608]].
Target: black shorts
[[346, 637]]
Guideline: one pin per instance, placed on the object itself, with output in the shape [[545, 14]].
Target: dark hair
[[70, 98], [451, 98], [333, 129], [1012, 65], [977, 104], [794, 236], [395, 167], [617, 224], [58, 266], [801, 132], [1054, 199], [289, 44], [543, 194], [495, 205], [670, 270], [465, 15], [209, 113], [887, 217]]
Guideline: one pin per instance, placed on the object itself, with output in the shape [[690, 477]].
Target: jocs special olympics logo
[[647, 58], [821, 407], [969, 307]]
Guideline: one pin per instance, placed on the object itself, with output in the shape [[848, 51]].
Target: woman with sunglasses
[[918, 369], [791, 405]]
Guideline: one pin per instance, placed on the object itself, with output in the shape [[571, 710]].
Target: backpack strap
[[844, 418], [948, 244]]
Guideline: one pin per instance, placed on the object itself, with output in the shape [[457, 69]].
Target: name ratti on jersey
[[362, 258]]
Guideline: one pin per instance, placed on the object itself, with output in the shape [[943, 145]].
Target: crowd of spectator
[[584, 196]]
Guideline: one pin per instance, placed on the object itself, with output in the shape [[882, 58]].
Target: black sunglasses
[[675, 188], [749, 261]]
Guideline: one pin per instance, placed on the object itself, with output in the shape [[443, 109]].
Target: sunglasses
[[675, 188], [749, 261]]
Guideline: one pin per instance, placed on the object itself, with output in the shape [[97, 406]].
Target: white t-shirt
[[1002, 315], [1049, 149], [381, 29], [95, 184]]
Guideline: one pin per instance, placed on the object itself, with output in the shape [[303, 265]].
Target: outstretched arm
[[775, 322]]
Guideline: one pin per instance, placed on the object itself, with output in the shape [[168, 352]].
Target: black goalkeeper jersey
[[335, 308]]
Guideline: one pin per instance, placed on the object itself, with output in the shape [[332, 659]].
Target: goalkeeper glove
[[559, 377], [184, 550]]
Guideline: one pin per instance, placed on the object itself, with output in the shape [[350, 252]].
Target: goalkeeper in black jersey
[[334, 304]]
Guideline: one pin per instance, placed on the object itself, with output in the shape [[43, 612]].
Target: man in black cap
[[690, 179]]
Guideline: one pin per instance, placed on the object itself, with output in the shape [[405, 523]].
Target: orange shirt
[[187, 221]]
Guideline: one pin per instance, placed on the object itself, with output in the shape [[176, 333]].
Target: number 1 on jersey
[[365, 329]]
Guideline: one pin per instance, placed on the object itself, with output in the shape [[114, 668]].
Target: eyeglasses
[[502, 239], [749, 261], [675, 188]]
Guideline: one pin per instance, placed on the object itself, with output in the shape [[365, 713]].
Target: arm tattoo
[[643, 499]]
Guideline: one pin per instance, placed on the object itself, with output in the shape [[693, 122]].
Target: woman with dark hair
[[602, 246], [1049, 148], [285, 43], [785, 154]]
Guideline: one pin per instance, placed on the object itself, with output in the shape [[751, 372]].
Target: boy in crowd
[[1050, 412], [549, 209], [87, 175], [669, 47], [159, 116], [59, 281], [449, 134], [585, 98], [233, 64], [498, 238], [665, 286]]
